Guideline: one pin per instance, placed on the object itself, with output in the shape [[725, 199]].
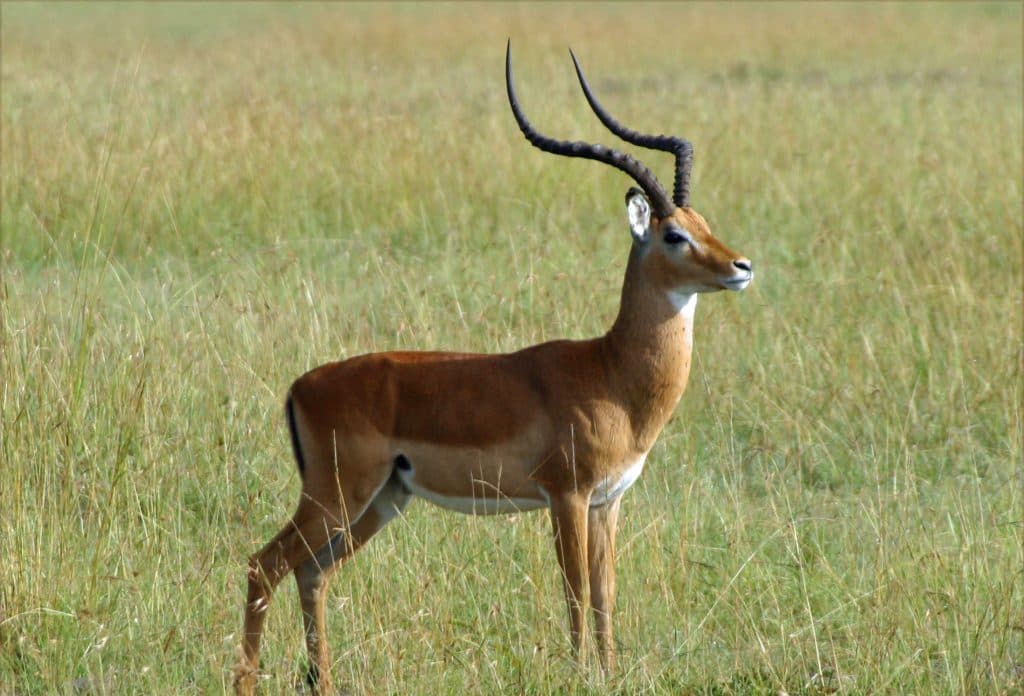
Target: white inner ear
[[639, 210]]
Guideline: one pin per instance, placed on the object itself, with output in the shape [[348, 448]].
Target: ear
[[638, 209]]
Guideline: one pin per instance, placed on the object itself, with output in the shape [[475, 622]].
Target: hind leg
[[311, 528], [313, 575], [266, 569]]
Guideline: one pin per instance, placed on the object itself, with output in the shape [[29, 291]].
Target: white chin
[[738, 285]]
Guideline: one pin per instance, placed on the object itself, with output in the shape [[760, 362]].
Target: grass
[[201, 202]]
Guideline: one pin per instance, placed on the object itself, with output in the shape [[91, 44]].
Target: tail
[[289, 408]]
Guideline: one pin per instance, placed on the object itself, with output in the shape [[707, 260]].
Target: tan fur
[[548, 423]]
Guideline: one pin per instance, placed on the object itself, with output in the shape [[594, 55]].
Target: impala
[[564, 425]]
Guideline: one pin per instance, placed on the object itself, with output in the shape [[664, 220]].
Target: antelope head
[[672, 242]]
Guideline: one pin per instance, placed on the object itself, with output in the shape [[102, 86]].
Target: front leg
[[601, 528], [569, 517]]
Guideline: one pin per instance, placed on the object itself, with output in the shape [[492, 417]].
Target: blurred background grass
[[199, 202]]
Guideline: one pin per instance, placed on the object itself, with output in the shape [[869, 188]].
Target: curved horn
[[642, 175], [682, 149]]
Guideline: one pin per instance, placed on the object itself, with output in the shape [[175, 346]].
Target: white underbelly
[[495, 504], [487, 499]]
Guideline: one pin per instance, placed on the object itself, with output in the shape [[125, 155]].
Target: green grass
[[201, 202]]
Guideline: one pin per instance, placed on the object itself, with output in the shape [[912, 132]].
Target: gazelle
[[564, 425]]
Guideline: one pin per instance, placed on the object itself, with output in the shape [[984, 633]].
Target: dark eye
[[672, 237]]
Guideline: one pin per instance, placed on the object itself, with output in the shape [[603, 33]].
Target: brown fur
[[548, 423]]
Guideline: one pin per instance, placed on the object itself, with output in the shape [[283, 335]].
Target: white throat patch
[[684, 302]]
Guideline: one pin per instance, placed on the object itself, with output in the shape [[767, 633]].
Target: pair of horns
[[682, 149]]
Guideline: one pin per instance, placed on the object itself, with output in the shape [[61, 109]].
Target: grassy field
[[201, 202]]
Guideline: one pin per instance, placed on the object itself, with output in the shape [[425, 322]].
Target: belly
[[471, 481], [483, 504]]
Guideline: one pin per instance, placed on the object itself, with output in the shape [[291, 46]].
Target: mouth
[[738, 283]]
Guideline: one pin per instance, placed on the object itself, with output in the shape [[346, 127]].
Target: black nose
[[743, 265]]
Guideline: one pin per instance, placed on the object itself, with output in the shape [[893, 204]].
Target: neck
[[649, 348]]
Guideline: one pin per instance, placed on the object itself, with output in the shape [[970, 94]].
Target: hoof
[[245, 681]]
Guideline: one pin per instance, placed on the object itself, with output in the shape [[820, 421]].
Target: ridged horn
[[682, 149], [643, 176]]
